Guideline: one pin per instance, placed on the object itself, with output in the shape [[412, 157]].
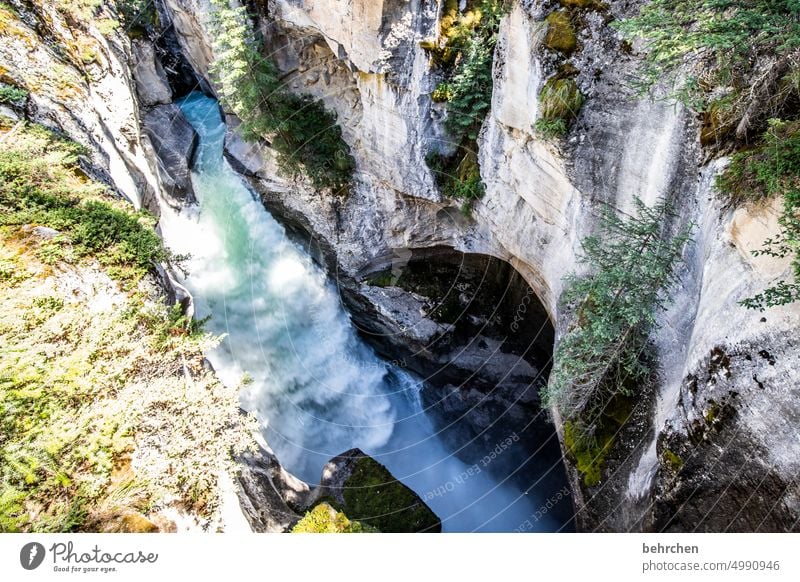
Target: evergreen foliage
[[470, 87], [742, 60], [302, 132], [11, 95], [458, 177], [722, 42], [772, 169], [603, 355], [465, 52]]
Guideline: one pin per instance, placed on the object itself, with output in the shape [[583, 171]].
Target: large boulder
[[267, 492], [174, 142], [367, 492]]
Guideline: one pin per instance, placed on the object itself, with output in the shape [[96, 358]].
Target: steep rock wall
[[80, 83]]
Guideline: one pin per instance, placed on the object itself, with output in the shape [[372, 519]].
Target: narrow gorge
[[387, 261]]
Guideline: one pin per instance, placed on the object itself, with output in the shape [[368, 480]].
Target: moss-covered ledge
[[365, 491]]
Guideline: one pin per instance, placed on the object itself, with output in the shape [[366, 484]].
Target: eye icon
[[31, 555]]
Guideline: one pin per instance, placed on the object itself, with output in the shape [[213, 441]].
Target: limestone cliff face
[[80, 82], [728, 379], [90, 81]]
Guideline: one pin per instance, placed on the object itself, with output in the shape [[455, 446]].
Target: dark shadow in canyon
[[484, 366]]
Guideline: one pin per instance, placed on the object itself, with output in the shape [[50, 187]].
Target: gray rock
[[268, 493], [8, 113], [174, 143], [152, 86], [728, 461], [42, 232]]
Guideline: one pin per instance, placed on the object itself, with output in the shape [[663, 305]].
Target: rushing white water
[[317, 389]]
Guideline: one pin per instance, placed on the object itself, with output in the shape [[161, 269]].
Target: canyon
[[471, 303]]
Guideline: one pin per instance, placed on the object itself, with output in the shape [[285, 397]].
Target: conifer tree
[[602, 355], [302, 132]]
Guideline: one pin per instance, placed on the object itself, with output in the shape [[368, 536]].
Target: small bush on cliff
[[458, 177], [470, 86], [772, 169], [12, 95], [602, 356], [551, 128], [465, 53], [300, 129], [560, 100]]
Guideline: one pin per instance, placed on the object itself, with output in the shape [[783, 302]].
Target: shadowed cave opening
[[485, 365]]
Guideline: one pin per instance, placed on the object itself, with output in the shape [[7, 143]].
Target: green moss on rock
[[590, 453], [561, 35], [325, 519], [374, 497], [719, 120], [592, 4], [589, 456], [672, 460], [711, 412]]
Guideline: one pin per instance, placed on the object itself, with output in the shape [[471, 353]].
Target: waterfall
[[316, 389]]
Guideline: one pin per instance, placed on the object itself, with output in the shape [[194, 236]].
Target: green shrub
[[771, 169], [458, 176], [470, 91], [456, 28], [41, 183], [12, 95], [603, 355], [724, 29], [442, 93], [726, 43], [469, 87], [560, 99], [465, 51], [551, 128], [302, 132]]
